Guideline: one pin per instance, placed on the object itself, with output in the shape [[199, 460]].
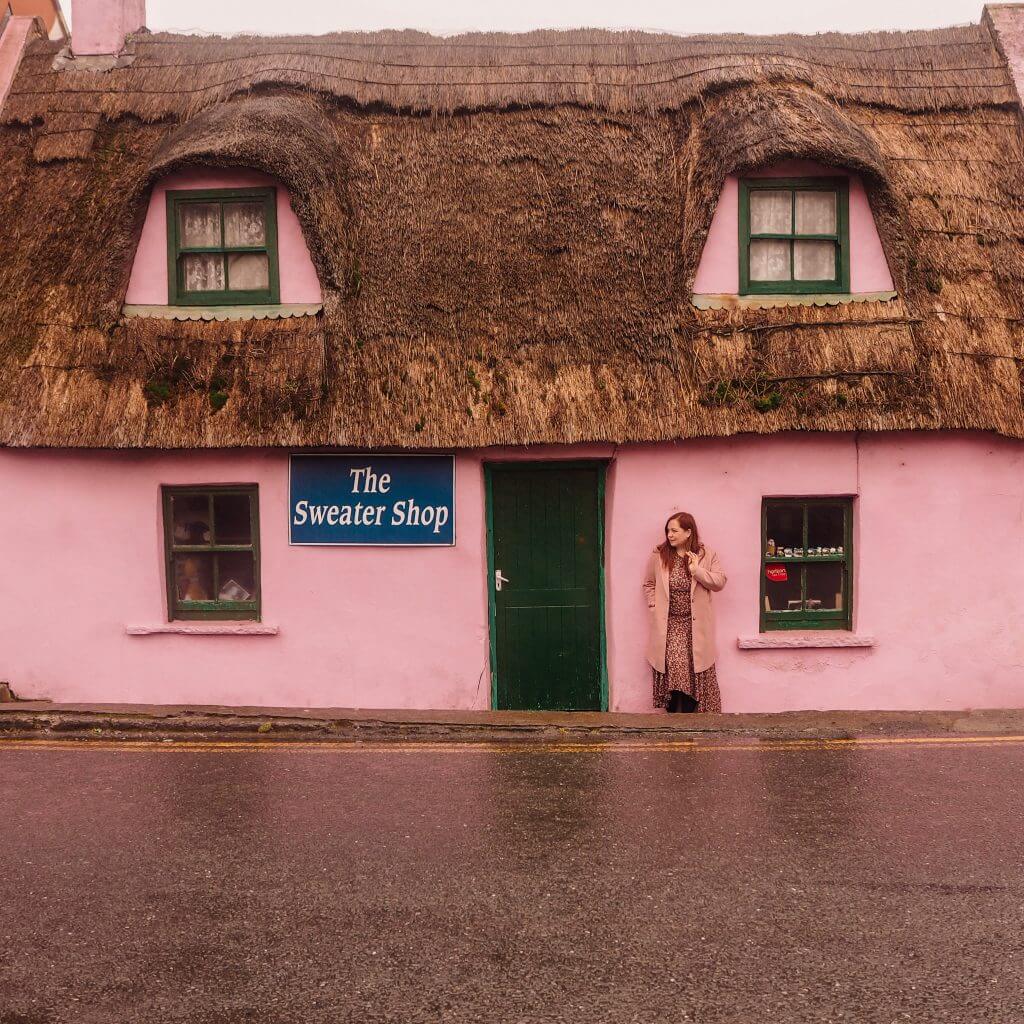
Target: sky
[[446, 17]]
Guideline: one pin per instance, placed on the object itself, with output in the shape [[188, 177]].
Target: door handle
[[499, 579]]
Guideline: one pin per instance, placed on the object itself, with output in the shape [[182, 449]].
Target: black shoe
[[680, 703], [687, 704]]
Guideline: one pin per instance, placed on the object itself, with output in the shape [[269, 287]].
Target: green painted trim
[[217, 610], [826, 618], [282, 311], [492, 611], [722, 301], [176, 294], [604, 626], [840, 284], [552, 464]]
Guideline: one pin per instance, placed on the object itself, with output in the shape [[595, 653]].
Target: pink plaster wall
[[407, 627], [718, 272], [148, 283], [100, 26], [12, 45]]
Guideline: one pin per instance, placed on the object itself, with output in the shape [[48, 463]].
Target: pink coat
[[707, 576]]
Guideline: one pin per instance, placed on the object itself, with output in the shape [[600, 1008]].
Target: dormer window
[[794, 236], [222, 247]]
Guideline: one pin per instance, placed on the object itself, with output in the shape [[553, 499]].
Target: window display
[[212, 542], [805, 555]]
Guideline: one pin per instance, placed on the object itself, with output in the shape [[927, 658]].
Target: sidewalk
[[42, 719]]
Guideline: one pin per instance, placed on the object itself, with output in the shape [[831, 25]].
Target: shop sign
[[776, 573], [372, 499]]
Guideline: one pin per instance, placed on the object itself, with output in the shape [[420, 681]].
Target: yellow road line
[[270, 746]]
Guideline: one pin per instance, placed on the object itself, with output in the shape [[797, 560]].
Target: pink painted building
[[325, 383]]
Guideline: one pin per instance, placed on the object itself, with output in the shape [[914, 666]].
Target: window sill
[[199, 628], [281, 311], [782, 640], [771, 301]]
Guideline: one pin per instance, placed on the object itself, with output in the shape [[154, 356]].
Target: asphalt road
[[868, 883]]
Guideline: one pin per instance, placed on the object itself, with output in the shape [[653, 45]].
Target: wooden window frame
[[820, 619], [840, 284], [215, 609], [176, 293]]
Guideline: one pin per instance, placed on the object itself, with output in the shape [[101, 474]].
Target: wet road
[[876, 883]]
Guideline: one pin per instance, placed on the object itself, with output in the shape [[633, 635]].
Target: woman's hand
[[691, 559]]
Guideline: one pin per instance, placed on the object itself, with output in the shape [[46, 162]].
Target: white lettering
[[317, 514], [366, 481], [442, 518], [346, 516], [359, 475], [381, 509], [300, 513], [398, 514], [332, 515]]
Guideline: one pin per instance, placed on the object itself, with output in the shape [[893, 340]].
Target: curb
[[82, 724]]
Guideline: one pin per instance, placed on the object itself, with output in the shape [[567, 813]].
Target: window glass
[[785, 526], [825, 526], [824, 586], [782, 589], [814, 261], [771, 212], [204, 272], [769, 260], [248, 271], [236, 576], [793, 236], [193, 575], [244, 224], [223, 247], [231, 512], [199, 225], [191, 519], [806, 559], [816, 213], [212, 546]]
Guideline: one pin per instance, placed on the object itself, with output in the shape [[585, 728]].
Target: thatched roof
[[506, 230]]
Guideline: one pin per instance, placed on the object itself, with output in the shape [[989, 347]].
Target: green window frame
[[230, 548], [177, 251], [812, 520], [840, 238]]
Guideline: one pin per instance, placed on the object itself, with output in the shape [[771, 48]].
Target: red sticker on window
[[776, 573]]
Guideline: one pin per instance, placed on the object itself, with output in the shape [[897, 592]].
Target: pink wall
[[378, 627], [100, 26], [719, 274], [12, 45], [148, 284]]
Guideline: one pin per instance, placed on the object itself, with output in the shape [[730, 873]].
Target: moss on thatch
[[506, 230]]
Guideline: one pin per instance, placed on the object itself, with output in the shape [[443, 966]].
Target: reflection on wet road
[[820, 883]]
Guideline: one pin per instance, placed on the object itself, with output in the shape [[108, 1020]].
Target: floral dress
[[679, 674]]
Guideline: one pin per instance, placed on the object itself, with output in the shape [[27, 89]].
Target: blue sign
[[372, 499]]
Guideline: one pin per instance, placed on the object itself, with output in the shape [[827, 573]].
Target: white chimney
[[99, 27]]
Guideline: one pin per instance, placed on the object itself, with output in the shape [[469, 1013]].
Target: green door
[[546, 585]]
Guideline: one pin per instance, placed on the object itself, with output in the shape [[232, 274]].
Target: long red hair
[[686, 522]]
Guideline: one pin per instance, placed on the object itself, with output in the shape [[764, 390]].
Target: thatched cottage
[[364, 370]]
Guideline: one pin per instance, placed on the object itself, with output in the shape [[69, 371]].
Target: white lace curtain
[[779, 259], [199, 226]]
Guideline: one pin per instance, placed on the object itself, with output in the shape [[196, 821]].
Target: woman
[[681, 576]]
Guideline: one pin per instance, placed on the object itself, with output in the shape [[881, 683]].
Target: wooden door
[[546, 548]]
